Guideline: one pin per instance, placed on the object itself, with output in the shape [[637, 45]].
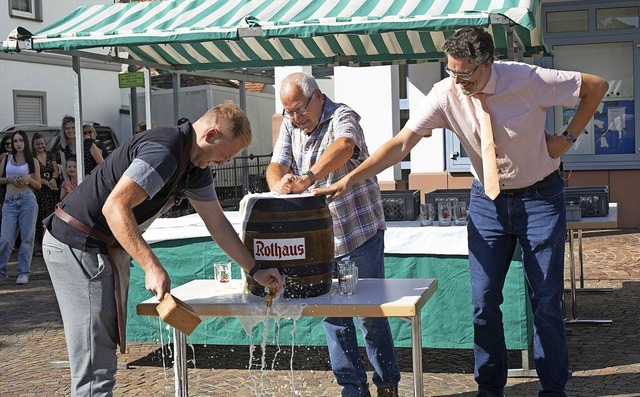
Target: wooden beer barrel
[[294, 235]]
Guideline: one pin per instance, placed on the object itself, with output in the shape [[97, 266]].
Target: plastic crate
[[452, 195], [593, 200], [401, 205]]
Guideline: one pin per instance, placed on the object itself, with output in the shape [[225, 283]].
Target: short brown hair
[[232, 119]]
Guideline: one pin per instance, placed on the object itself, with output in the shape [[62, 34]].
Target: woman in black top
[[92, 155]]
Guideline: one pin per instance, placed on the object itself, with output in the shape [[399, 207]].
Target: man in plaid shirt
[[319, 143]]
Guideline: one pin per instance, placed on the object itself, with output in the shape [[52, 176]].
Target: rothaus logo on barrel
[[284, 249]]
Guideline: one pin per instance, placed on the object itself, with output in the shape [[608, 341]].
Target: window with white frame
[[29, 107], [30, 9]]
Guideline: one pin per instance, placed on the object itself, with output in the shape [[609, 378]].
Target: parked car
[[52, 134]]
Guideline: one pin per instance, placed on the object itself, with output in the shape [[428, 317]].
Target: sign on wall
[[131, 79]]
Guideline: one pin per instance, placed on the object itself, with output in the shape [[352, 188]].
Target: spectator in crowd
[[71, 183], [89, 131], [319, 143], [20, 209], [48, 195], [142, 126], [6, 147], [92, 154], [498, 110]]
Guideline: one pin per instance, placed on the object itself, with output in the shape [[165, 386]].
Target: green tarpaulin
[[220, 34], [446, 318]]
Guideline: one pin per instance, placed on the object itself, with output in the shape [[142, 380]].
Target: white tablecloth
[[406, 237]]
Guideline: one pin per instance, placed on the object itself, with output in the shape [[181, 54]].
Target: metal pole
[[77, 106], [245, 163], [180, 363], [416, 353], [176, 97], [147, 98], [133, 103]]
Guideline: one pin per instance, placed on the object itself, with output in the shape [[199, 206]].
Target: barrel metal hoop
[[288, 227]]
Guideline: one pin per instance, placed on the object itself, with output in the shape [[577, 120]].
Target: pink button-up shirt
[[517, 97]]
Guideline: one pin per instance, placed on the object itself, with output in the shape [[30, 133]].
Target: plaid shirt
[[358, 215]]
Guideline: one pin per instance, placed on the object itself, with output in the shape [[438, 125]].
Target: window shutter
[[29, 110]]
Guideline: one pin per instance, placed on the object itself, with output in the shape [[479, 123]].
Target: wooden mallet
[[178, 314]]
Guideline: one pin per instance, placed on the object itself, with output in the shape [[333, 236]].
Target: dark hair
[[27, 150], [472, 43], [3, 143], [34, 138]]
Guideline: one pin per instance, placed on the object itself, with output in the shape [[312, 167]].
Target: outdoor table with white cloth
[[185, 248]]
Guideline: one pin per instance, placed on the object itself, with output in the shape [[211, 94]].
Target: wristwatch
[[255, 269], [569, 137], [311, 175]]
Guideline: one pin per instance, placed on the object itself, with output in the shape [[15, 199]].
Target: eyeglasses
[[461, 75], [300, 111], [86, 132]]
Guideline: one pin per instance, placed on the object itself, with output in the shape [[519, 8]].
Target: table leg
[[416, 335], [581, 260], [525, 371], [180, 364], [572, 275], [572, 271]]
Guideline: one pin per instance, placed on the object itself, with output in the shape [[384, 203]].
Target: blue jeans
[[19, 213], [536, 219], [341, 332]]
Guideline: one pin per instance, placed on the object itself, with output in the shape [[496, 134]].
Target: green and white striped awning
[[226, 34]]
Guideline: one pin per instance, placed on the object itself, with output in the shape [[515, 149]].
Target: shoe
[[22, 279], [388, 391], [38, 254]]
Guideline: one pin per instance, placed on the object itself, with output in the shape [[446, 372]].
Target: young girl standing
[[69, 185], [20, 208]]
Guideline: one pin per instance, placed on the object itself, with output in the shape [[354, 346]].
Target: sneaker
[[22, 279], [388, 391]]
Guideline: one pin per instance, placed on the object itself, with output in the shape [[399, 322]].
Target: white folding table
[[403, 298]]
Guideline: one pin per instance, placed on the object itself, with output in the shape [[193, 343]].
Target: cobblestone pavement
[[605, 360]]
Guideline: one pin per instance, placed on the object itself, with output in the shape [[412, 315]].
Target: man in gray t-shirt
[[106, 215]]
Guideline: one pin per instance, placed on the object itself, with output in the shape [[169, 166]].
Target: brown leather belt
[[70, 220], [119, 259]]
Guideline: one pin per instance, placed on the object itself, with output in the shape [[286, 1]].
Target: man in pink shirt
[[528, 208]]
